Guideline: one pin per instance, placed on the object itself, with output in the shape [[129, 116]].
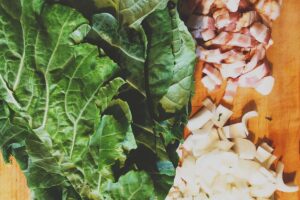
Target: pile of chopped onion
[[233, 36], [218, 162]]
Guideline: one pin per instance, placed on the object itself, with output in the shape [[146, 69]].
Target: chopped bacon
[[221, 39], [246, 20], [208, 83], [222, 18], [240, 40], [233, 37], [232, 70], [212, 73], [234, 17], [232, 5], [251, 78], [258, 56], [208, 34], [260, 32], [211, 56], [269, 8], [219, 3], [201, 22], [206, 4], [230, 91], [233, 56]]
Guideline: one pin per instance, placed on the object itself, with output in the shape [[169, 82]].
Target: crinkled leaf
[[131, 186], [170, 61], [125, 46], [52, 94], [109, 141], [133, 12]]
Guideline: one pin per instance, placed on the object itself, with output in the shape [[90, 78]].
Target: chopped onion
[[218, 162]]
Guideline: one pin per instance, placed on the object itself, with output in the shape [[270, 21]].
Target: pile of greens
[[94, 95]]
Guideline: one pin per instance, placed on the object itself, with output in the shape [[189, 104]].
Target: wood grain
[[282, 106]]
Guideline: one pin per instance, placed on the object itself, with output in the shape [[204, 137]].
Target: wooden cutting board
[[281, 107]]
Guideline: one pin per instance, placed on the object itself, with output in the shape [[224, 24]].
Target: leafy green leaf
[[170, 61], [165, 52], [132, 13], [131, 186], [52, 96], [125, 46]]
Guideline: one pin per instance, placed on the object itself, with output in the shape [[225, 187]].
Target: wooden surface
[[282, 106]]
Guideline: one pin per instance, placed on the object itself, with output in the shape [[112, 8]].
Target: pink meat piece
[[206, 5], [230, 91], [222, 18], [231, 39], [208, 83], [232, 70], [211, 56], [246, 20], [260, 32], [212, 73], [251, 78], [259, 54], [233, 56], [219, 3], [201, 22], [208, 34], [269, 8], [234, 17], [232, 5], [240, 40], [221, 39]]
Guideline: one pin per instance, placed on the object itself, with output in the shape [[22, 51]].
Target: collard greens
[[83, 125]]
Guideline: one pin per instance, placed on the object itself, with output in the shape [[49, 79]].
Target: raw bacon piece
[[222, 18], [230, 91], [234, 17], [211, 56], [269, 8], [206, 4], [208, 83], [231, 39], [212, 73], [208, 34], [240, 40], [252, 78], [246, 20], [232, 70], [221, 39], [258, 56], [232, 5], [234, 56], [233, 36], [260, 32]]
